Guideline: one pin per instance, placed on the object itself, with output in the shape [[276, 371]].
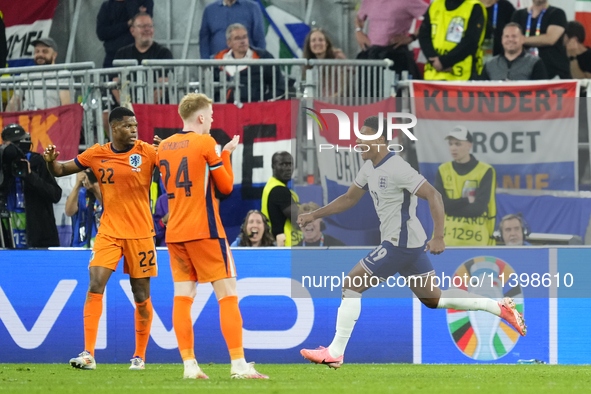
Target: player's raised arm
[[338, 205], [223, 175], [59, 168], [427, 192], [156, 142]]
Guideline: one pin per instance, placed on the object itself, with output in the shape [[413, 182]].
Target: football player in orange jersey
[[124, 169], [199, 251]]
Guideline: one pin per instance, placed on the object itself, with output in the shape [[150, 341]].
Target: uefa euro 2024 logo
[[481, 335]]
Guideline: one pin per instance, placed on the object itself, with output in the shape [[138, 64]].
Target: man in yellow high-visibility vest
[[451, 37], [468, 190], [280, 203]]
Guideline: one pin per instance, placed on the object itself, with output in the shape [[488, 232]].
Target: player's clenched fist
[[50, 153], [231, 146], [305, 218], [436, 245]]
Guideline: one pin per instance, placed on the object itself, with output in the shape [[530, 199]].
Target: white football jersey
[[392, 185]]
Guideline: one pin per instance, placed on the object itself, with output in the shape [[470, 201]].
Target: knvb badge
[[135, 161], [345, 128]]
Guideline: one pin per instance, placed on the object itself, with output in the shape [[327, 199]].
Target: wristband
[[571, 58], [413, 36], [358, 29]]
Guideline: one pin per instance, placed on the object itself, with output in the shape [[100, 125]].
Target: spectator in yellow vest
[[467, 187], [279, 203], [451, 36]]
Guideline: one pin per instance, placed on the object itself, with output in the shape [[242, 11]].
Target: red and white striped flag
[[26, 21]]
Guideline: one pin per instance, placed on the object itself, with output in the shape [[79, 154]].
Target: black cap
[[47, 41], [13, 132]]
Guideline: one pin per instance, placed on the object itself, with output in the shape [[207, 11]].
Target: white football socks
[[461, 300], [346, 318], [190, 364], [239, 365]]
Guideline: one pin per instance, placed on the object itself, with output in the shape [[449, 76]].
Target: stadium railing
[[167, 81], [25, 81], [38, 87], [178, 77], [353, 80]]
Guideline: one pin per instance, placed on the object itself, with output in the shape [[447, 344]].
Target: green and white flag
[[285, 34]]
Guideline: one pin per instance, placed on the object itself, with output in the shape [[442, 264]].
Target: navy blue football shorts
[[387, 260]]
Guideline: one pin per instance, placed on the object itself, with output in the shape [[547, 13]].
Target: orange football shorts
[[201, 260], [139, 255]]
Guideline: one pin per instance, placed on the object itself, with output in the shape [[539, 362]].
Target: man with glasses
[[238, 47], [144, 47], [113, 22]]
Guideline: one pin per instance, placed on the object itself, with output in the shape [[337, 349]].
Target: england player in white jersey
[[394, 186]]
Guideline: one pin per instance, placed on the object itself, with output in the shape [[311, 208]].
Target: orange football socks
[[93, 308], [143, 322], [183, 326], [231, 324]]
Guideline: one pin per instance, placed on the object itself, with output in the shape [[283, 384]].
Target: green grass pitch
[[300, 378]]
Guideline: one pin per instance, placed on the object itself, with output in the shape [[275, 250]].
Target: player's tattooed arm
[[59, 168]]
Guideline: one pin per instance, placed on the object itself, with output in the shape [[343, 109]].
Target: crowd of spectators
[[462, 40]]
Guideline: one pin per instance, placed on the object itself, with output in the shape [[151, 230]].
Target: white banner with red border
[[528, 131], [26, 21]]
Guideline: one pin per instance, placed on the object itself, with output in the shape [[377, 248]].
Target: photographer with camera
[[27, 193], [85, 206]]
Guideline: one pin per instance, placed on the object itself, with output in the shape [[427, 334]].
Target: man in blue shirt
[[221, 14]]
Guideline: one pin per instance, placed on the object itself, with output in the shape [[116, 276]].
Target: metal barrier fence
[[350, 79], [235, 81], [167, 81], [31, 88], [39, 87]]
